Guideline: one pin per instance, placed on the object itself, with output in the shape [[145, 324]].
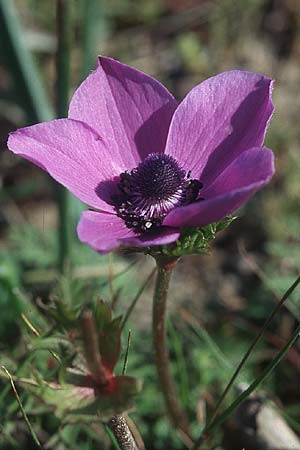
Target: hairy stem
[[122, 433], [167, 383]]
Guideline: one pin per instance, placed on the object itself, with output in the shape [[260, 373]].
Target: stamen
[[151, 190]]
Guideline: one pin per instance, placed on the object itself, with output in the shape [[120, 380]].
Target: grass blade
[[245, 358], [255, 341], [31, 430], [126, 353], [182, 370], [204, 336], [136, 298], [30, 92], [93, 31], [268, 370], [111, 436]]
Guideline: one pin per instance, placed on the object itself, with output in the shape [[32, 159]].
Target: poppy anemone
[[148, 165]]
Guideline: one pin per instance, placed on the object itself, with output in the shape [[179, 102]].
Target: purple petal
[[251, 166], [128, 108], [105, 232], [73, 154], [166, 235], [219, 119], [246, 175]]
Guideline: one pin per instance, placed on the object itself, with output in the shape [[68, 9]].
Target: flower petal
[[246, 175], [128, 108], [219, 119], [105, 232], [73, 154], [166, 235], [251, 166]]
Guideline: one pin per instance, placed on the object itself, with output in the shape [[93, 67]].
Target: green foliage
[[247, 392], [10, 305], [192, 241], [195, 240], [54, 373], [32, 247]]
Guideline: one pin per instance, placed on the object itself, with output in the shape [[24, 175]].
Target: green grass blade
[[30, 92], [124, 370], [137, 297], [93, 31], [119, 274], [31, 430], [182, 371], [204, 336], [269, 369], [255, 341], [111, 437]]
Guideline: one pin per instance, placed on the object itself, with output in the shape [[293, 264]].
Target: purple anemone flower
[[148, 165]]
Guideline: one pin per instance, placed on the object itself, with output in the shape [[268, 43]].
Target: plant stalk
[[167, 384], [63, 54], [122, 433]]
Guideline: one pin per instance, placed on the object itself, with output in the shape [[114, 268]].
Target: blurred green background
[[217, 302]]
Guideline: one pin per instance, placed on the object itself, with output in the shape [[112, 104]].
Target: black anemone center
[[158, 177], [151, 190]]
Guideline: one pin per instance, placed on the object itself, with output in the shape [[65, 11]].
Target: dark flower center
[[151, 190]]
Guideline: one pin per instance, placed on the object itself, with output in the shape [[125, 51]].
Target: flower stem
[[64, 37], [122, 433], [167, 383]]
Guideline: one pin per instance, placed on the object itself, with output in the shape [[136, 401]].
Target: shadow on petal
[[108, 189], [151, 137]]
